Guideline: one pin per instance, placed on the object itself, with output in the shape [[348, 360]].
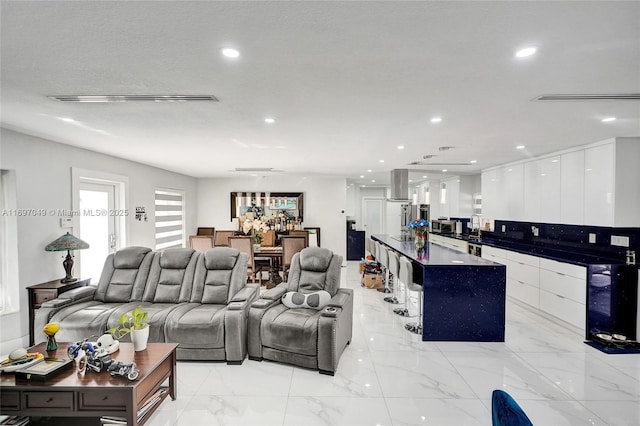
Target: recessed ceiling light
[[520, 147], [361, 176], [363, 186], [410, 180], [555, 160], [473, 161], [230, 53], [369, 170], [444, 170], [67, 119], [436, 119], [400, 146], [527, 51], [608, 119], [373, 181], [381, 161], [424, 177], [269, 120]]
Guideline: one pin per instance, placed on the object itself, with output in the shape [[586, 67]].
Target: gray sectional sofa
[[200, 301]]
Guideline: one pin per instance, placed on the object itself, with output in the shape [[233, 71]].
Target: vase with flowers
[[421, 229], [255, 227]]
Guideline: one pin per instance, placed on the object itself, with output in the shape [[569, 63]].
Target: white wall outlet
[[535, 231], [592, 238], [504, 228], [66, 222], [618, 240]]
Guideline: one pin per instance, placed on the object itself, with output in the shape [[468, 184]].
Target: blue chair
[[505, 411]]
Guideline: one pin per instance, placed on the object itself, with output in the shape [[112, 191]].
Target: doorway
[[99, 200], [372, 214]]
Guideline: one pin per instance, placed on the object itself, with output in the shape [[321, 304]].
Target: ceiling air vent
[[254, 169], [596, 97], [135, 98]]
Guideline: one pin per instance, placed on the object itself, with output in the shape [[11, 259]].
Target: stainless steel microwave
[[443, 226]]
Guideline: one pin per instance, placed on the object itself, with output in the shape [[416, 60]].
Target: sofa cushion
[[193, 325], [129, 257], [171, 276], [290, 330], [220, 273], [124, 275], [175, 258], [315, 259], [221, 258]]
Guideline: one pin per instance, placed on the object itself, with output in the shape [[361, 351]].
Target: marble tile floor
[[388, 376]]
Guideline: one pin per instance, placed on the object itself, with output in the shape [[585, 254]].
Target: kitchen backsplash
[[568, 237]]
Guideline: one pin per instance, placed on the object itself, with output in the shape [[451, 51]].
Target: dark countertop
[[433, 255], [560, 255]]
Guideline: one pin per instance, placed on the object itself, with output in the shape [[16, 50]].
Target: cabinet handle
[[105, 398], [561, 274], [50, 400], [561, 297]]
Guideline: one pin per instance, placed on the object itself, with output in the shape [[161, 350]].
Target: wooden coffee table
[[69, 394]]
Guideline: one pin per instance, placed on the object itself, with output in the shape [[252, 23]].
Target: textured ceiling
[[346, 81]]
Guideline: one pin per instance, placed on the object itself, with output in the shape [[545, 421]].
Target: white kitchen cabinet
[[557, 288], [598, 185], [542, 197], [572, 188], [563, 291], [452, 243], [511, 191], [491, 202]]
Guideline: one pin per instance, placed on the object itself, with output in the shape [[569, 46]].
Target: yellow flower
[[51, 329]]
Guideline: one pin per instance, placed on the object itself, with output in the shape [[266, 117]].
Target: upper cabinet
[[572, 177], [456, 196], [597, 185]]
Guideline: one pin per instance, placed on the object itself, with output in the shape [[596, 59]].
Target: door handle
[[112, 242]]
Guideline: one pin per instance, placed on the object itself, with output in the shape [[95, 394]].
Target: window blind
[[169, 214]]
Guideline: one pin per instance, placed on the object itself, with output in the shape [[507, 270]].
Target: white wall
[[324, 202], [43, 181]]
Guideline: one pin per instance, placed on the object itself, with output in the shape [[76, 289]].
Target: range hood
[[400, 185]]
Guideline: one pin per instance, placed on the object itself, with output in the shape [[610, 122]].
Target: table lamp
[[67, 242]]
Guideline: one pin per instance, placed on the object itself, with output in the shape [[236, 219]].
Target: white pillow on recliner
[[316, 300]]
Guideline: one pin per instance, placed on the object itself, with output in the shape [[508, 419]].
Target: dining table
[[275, 256]]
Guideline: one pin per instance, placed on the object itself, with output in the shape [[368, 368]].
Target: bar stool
[[394, 270], [406, 275], [383, 258]]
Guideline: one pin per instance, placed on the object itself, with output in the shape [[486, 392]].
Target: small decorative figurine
[[50, 330], [125, 370]]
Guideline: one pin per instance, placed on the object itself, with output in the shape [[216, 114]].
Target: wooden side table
[[40, 293]]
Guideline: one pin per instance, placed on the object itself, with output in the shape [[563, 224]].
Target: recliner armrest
[[78, 293], [275, 293], [245, 294], [264, 303], [71, 296], [340, 298]]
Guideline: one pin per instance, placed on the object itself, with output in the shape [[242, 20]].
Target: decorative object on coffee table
[[134, 323], [50, 330], [67, 242]]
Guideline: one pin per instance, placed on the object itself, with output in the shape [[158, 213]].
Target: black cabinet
[[355, 245]]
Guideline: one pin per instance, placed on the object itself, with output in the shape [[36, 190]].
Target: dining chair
[[206, 231], [299, 233], [201, 243], [268, 238], [290, 246], [245, 245], [221, 238]]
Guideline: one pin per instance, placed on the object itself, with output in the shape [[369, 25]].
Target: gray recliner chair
[[303, 336]]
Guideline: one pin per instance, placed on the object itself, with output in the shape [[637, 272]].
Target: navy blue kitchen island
[[464, 296]]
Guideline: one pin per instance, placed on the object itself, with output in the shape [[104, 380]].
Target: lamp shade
[[67, 242]]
